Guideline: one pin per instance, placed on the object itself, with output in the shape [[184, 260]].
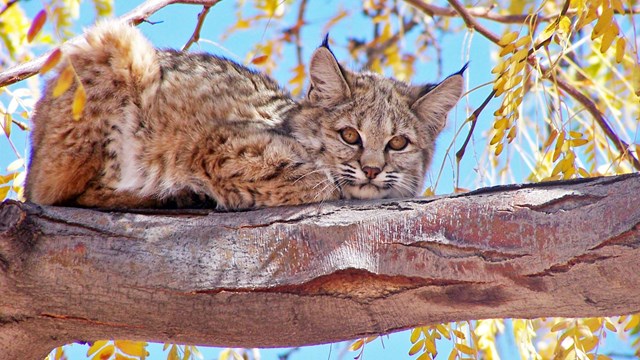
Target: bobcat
[[162, 126]]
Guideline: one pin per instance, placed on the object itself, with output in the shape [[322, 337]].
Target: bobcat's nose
[[371, 172]]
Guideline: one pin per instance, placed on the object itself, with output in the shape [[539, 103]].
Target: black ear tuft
[[461, 72], [325, 42]]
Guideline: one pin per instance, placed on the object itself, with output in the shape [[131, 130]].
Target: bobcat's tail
[[126, 55], [119, 70]]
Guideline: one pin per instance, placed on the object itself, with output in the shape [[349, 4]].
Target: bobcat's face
[[374, 135], [375, 147]]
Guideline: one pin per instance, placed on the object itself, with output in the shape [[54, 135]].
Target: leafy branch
[[470, 15]]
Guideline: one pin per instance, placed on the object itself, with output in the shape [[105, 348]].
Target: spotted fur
[[165, 127]]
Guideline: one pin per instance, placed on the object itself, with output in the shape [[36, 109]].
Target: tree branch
[[487, 13], [292, 276], [195, 37], [135, 16]]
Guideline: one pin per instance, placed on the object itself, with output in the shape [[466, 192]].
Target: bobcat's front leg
[[262, 170]]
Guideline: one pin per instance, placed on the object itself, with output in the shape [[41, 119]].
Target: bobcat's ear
[[328, 83], [432, 108]]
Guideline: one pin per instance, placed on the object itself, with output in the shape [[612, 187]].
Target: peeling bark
[[319, 273]]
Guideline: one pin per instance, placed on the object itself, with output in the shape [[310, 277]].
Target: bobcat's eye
[[350, 136], [398, 143]]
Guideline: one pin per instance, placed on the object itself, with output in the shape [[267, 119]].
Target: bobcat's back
[[141, 103]]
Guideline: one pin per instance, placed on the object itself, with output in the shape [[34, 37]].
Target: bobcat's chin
[[369, 191]]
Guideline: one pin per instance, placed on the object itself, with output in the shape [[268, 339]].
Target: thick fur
[[164, 126]]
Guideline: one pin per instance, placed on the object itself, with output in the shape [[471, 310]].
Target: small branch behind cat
[[196, 32], [135, 16]]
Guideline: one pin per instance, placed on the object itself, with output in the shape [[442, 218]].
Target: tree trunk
[[319, 273]]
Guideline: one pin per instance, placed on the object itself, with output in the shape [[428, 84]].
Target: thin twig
[[196, 32], [135, 16], [592, 108], [471, 21], [487, 13], [296, 31], [474, 119]]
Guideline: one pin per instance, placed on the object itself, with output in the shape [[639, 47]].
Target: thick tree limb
[[319, 273]]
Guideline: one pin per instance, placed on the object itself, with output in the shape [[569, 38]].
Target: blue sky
[[173, 28]]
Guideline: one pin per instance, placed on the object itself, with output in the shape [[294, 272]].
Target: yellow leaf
[[465, 349], [609, 35], [498, 149], [496, 139], [6, 126], [520, 55], [356, 345], [173, 353], [6, 178], [133, 348], [453, 355], [548, 31], [60, 353], [575, 134], [64, 81], [507, 50], [259, 60], [603, 23], [511, 135], [525, 40], [430, 345], [96, 346], [443, 330], [499, 68], [459, 334], [36, 25], [416, 347], [508, 38], [584, 174], [501, 124], [429, 192], [415, 334], [620, 48], [551, 138], [633, 322], [609, 325], [578, 142], [4, 190], [564, 25], [105, 353], [425, 356], [560, 325], [79, 100], [51, 61], [617, 5]]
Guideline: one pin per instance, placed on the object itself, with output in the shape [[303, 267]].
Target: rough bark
[[318, 273]]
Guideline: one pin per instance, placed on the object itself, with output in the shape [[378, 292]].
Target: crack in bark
[[455, 251], [566, 202], [356, 284], [629, 238], [90, 321], [567, 266]]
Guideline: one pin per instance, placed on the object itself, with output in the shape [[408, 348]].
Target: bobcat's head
[[375, 135]]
